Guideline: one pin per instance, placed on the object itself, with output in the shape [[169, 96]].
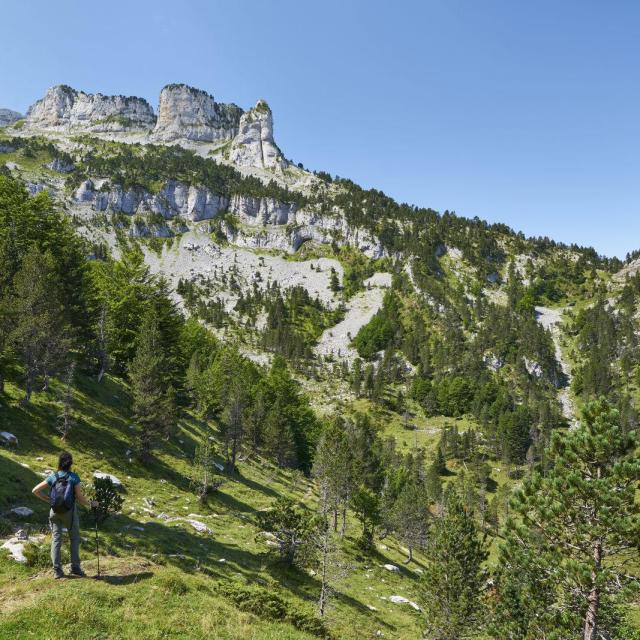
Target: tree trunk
[[344, 522], [335, 518], [28, 387], [593, 600]]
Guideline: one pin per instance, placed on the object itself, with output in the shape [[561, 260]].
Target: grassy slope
[[144, 566]]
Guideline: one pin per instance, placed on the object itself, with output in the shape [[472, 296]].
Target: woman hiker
[[63, 493]]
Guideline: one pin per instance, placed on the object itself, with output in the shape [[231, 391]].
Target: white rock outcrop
[[403, 600], [192, 114], [22, 512], [16, 548], [64, 108], [254, 145], [8, 117], [107, 476], [8, 438]]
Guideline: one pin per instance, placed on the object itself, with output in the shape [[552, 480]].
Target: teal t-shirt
[[74, 478]]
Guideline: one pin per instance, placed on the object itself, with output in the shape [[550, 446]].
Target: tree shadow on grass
[[15, 491], [126, 580]]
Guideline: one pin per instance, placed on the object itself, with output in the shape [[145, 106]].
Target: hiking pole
[[95, 517]]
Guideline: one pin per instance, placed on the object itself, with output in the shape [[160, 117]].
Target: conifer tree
[[410, 516], [453, 578], [152, 405], [39, 332], [577, 529]]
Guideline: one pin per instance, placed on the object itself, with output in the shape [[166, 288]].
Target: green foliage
[[577, 529], [291, 527], [452, 581], [366, 506], [6, 528], [38, 555], [270, 605], [173, 585], [133, 166], [106, 495], [382, 331], [153, 404]]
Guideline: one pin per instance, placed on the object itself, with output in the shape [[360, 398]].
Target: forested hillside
[[329, 414]]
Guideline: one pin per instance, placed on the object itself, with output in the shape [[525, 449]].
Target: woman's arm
[[82, 499], [38, 491]]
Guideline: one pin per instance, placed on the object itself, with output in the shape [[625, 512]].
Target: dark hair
[[65, 461]]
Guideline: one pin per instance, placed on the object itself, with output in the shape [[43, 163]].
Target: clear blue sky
[[526, 113]]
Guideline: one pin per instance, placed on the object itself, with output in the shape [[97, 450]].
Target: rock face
[[270, 224], [254, 145], [191, 202], [185, 114], [64, 108], [192, 114], [8, 117]]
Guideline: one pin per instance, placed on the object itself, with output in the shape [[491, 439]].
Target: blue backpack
[[61, 494]]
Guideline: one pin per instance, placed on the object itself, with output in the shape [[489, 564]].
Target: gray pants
[[71, 522]]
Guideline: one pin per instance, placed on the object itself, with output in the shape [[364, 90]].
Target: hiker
[[64, 493]]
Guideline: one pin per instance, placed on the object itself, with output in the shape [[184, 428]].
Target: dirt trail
[[551, 319]]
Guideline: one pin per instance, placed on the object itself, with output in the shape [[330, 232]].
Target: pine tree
[[152, 408], [410, 516], [366, 505], [202, 474], [333, 470], [576, 531], [334, 281], [356, 383], [39, 332], [66, 419], [453, 578]]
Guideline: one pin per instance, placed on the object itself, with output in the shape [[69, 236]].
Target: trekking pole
[[95, 516]]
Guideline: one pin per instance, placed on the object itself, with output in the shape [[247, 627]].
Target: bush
[[6, 528], [173, 585], [270, 606], [104, 492], [39, 555]]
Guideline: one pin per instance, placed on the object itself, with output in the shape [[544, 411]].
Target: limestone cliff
[[192, 114], [66, 109], [8, 117], [254, 145]]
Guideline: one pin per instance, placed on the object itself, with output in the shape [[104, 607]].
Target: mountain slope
[[270, 308]]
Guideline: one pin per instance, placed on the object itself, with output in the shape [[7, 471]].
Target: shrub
[[173, 585], [39, 555], [271, 606], [6, 528], [106, 495]]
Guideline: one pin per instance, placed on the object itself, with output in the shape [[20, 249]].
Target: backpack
[[61, 494]]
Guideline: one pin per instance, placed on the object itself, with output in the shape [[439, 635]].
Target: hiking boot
[[78, 573], [58, 574]]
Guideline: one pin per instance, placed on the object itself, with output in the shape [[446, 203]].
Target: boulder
[[8, 439], [22, 512], [107, 476], [392, 568], [402, 600], [200, 527], [16, 549]]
